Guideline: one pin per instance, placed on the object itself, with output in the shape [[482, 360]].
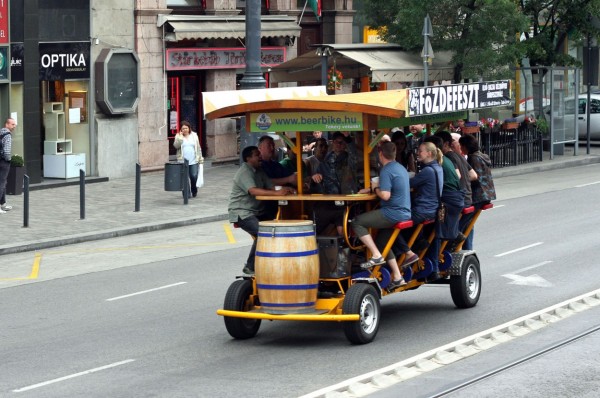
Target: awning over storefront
[[192, 27], [383, 62]]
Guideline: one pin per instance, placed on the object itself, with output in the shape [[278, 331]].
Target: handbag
[[200, 180], [441, 212]]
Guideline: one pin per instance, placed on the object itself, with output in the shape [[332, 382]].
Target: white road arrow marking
[[531, 280]]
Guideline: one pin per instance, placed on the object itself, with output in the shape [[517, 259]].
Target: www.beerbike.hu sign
[[458, 97], [305, 121]]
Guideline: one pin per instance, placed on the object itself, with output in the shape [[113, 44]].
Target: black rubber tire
[[362, 299], [237, 299], [466, 287]]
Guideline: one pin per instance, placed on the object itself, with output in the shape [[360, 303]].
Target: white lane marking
[[496, 207], [85, 372], [531, 280], [531, 267], [588, 184], [519, 249], [145, 291]]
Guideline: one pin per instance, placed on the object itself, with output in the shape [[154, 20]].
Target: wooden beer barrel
[[287, 266]]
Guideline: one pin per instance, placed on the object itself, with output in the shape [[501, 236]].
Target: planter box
[[510, 126], [14, 183], [470, 129]]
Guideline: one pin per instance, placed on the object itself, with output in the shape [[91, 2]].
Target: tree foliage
[[551, 23], [484, 35]]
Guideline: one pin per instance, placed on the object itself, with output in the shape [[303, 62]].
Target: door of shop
[[185, 103]]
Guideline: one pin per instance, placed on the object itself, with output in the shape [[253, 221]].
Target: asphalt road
[[135, 316]]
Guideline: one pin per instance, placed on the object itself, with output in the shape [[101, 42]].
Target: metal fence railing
[[512, 147]]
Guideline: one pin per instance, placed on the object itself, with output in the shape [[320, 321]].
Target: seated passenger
[[290, 159], [394, 192], [483, 188], [312, 162], [451, 149], [404, 155], [311, 141], [336, 174], [244, 209], [424, 198], [278, 174], [452, 195]]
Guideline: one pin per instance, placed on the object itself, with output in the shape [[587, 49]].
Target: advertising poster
[[4, 63], [17, 51]]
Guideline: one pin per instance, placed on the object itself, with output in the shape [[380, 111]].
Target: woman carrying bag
[[188, 148]]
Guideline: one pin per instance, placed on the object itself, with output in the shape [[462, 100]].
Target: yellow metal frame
[[290, 317], [332, 307]]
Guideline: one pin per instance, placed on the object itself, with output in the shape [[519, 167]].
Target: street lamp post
[[427, 52], [253, 77], [324, 52]]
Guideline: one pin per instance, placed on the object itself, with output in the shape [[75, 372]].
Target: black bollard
[[25, 201], [138, 184], [186, 181], [81, 194]]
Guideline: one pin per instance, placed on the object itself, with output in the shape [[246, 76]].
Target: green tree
[[484, 34], [552, 23]]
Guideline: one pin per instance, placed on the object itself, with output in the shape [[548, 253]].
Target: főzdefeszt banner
[[458, 97]]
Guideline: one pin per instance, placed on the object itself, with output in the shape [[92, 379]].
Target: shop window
[[186, 6], [182, 3]]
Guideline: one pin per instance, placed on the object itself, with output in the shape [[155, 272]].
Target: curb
[[541, 166], [107, 234]]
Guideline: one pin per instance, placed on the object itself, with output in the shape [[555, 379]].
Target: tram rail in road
[[513, 364], [391, 375]]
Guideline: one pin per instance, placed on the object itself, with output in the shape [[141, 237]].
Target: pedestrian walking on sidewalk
[[188, 148], [5, 155]]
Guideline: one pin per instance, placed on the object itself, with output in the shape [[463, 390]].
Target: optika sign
[[63, 60]]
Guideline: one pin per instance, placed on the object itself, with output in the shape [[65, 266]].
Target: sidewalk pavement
[[54, 213]]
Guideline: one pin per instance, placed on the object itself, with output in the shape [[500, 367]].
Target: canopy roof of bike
[[391, 103]]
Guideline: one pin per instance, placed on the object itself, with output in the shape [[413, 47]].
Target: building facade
[[205, 51], [101, 85]]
